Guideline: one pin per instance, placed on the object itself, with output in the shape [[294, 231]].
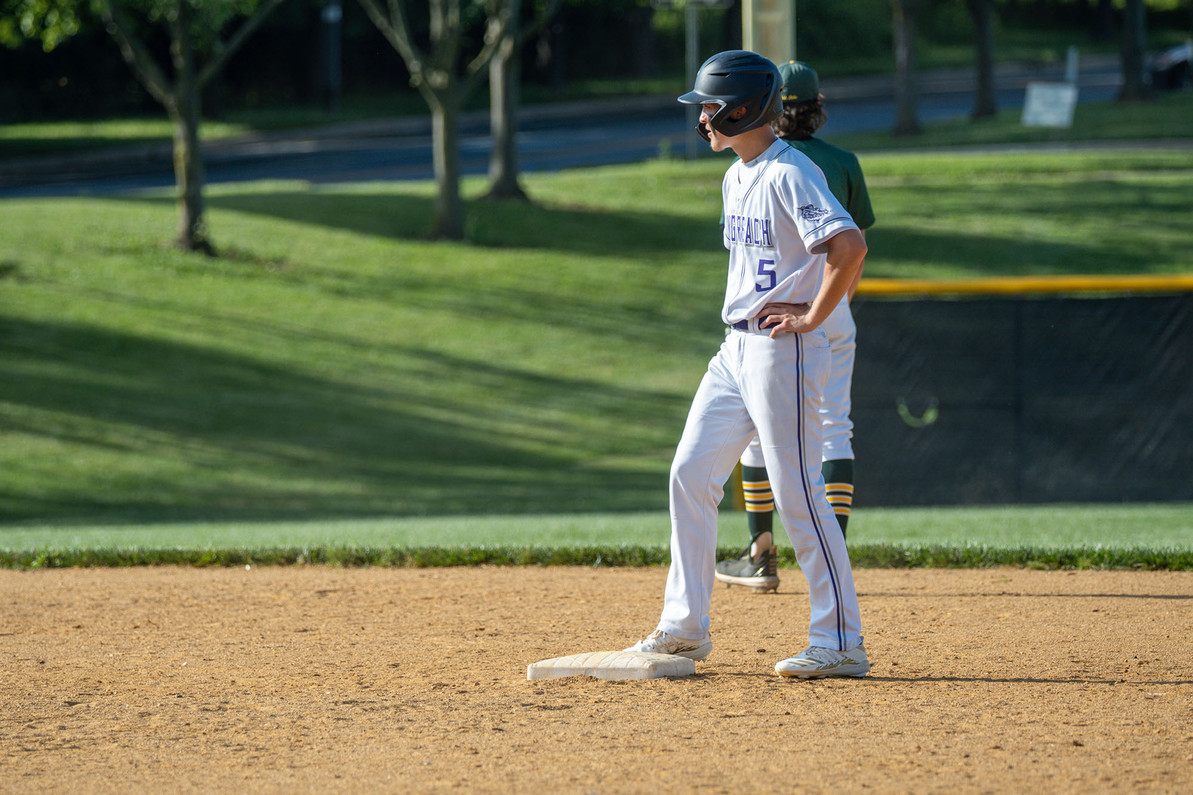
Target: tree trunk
[[503, 121], [188, 173], [552, 48], [188, 159], [641, 34], [983, 28], [448, 220], [1104, 21], [906, 81], [1134, 35]]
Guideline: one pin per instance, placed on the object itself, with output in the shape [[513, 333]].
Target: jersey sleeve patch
[[813, 214]]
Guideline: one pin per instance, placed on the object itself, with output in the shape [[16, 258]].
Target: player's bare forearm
[[846, 251], [857, 276]]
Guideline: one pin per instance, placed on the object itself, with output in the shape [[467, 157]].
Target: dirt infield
[[323, 679]]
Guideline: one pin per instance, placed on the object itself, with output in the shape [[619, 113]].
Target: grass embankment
[[333, 363]]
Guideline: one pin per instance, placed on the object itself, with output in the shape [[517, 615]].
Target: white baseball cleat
[[661, 642], [817, 662]]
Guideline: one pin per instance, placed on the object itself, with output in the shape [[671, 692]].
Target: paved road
[[550, 138]]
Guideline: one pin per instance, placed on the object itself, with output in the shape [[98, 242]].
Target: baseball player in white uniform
[[793, 252]]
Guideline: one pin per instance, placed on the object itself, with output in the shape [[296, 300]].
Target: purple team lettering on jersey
[[748, 231]]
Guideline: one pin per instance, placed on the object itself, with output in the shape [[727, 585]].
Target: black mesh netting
[[1024, 400]]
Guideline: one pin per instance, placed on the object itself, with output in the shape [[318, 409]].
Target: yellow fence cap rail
[[1028, 285]]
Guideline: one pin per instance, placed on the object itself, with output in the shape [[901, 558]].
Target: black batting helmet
[[738, 79]]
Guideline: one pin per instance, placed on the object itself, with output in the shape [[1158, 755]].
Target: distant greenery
[[276, 79]]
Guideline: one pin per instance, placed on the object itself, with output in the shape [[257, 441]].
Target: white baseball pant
[[772, 388], [836, 426]]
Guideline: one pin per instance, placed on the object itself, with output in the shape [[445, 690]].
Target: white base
[[613, 665]]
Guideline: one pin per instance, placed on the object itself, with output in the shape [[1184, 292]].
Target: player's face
[[717, 141]]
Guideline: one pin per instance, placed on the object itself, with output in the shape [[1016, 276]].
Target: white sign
[[1049, 105]]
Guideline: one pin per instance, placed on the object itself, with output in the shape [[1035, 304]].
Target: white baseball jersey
[[779, 213]]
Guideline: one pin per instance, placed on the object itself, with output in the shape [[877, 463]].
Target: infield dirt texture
[[318, 679]]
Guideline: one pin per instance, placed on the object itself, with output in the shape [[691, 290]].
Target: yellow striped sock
[[758, 494], [840, 496]]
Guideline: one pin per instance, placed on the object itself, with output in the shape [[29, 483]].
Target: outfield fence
[[1073, 389]]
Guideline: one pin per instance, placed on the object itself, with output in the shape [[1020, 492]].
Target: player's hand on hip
[[786, 318]]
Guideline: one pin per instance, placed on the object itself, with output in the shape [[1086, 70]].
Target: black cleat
[[759, 573]]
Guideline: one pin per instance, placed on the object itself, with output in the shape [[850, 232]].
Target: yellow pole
[[768, 28]]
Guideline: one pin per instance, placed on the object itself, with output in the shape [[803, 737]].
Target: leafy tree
[[445, 79], [49, 21], [194, 28]]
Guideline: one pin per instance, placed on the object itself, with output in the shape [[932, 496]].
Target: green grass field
[[336, 379], [1147, 536]]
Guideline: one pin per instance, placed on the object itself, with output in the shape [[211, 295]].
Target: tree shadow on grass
[[198, 433], [489, 223], [684, 313], [664, 237]]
